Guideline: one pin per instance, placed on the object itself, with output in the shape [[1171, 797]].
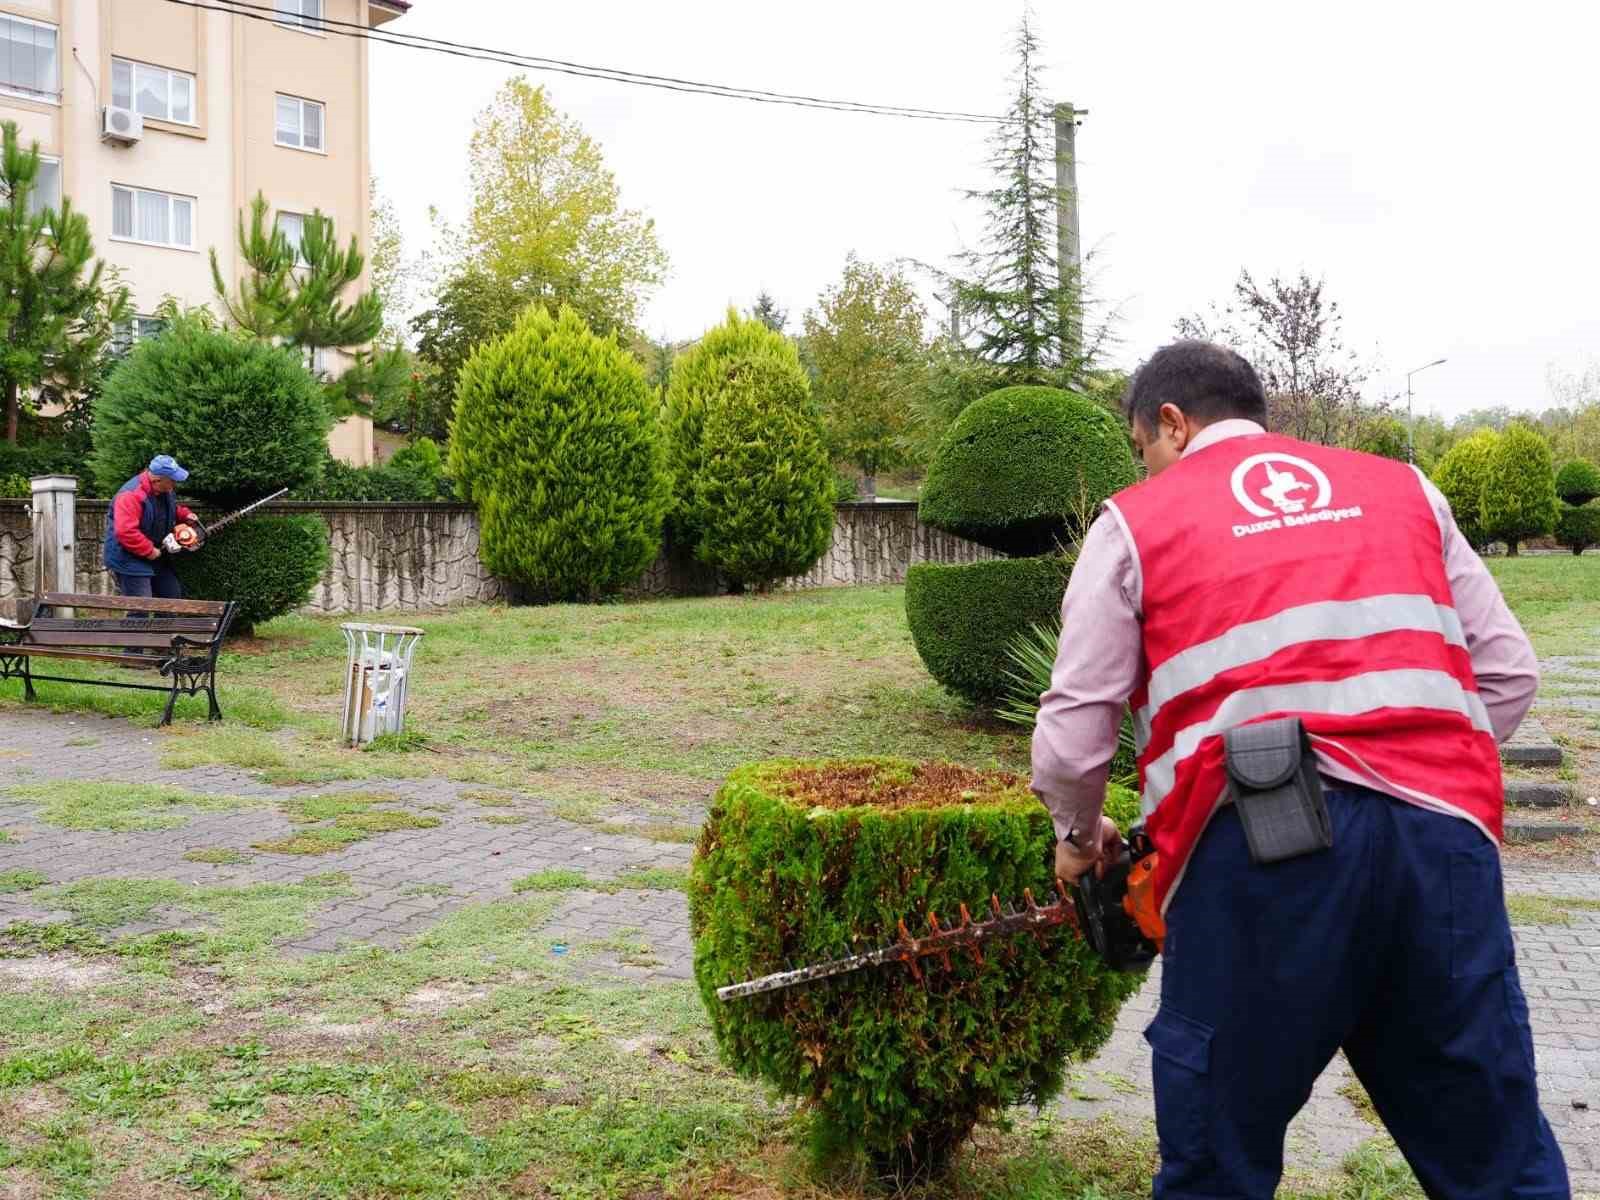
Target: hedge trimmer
[[1115, 914], [189, 538]]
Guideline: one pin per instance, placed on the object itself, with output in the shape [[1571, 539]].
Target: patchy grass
[[553, 879], [1353, 1091], [489, 799], [564, 879], [438, 890], [21, 880], [1529, 909], [217, 856], [504, 818], [339, 819], [117, 807]]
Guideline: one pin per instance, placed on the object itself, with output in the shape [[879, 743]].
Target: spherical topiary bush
[[243, 416], [762, 497], [557, 440], [1025, 468], [798, 863], [1460, 475], [1578, 482], [1519, 488], [269, 564], [1578, 527], [965, 617]]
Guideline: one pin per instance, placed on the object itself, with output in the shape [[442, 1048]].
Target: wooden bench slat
[[151, 604], [197, 627], [86, 655], [53, 637]]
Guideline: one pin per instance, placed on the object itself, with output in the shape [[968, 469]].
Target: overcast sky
[[1436, 162]]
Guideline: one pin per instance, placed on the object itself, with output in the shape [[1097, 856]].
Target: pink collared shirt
[[1097, 663]]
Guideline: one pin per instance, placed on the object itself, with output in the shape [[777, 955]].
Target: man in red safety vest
[[1255, 584]]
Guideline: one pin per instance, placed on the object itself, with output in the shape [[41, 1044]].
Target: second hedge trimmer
[[1115, 914], [191, 539]]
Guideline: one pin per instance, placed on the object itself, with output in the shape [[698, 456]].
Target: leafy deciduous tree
[[1460, 475]]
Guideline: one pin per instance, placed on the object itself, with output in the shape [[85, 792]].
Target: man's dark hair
[[1208, 382]]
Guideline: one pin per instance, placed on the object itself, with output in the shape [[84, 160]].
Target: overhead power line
[[267, 13]]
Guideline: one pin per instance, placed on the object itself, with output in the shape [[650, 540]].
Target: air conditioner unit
[[122, 125]]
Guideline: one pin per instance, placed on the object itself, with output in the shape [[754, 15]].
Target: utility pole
[[1411, 448], [1068, 256]]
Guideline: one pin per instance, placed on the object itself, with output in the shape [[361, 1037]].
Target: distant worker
[[147, 523], [1316, 705]]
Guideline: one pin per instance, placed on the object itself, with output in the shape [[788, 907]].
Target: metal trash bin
[[376, 678]]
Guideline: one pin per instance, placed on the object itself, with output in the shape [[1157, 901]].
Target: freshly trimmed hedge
[[556, 438], [1025, 468], [965, 617], [1578, 526], [1578, 482], [269, 564], [1460, 475], [799, 863], [1519, 488]]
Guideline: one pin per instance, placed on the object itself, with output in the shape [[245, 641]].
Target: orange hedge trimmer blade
[[940, 941]]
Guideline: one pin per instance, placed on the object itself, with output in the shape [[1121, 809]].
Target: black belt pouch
[[1273, 782]]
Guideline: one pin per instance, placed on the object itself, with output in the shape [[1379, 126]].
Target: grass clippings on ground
[[116, 807], [21, 880], [1532, 909]]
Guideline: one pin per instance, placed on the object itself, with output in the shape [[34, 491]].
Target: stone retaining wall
[[395, 557]]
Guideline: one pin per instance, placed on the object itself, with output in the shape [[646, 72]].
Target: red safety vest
[[1280, 578]]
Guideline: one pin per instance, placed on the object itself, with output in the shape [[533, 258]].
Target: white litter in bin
[[377, 675]]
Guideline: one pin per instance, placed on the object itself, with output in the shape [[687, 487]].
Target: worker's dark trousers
[[163, 583], [1393, 945]]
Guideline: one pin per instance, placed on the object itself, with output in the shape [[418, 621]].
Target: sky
[[1434, 162]]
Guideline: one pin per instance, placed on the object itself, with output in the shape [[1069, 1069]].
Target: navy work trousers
[[164, 583], [1393, 945]]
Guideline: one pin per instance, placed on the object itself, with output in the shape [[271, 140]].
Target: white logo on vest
[[1292, 486]]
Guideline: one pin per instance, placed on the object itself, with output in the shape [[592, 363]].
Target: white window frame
[[302, 21], [134, 66], [36, 206], [295, 242], [43, 97], [130, 333], [277, 135], [135, 192]]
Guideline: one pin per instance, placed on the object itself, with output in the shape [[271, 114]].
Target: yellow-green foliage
[[897, 1068], [1519, 488], [1460, 475], [557, 440], [763, 495]]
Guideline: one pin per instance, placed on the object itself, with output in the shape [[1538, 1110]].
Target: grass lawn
[[478, 1061]]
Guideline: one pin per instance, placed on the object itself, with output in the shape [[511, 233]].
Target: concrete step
[[1537, 793], [1531, 746], [1520, 829]]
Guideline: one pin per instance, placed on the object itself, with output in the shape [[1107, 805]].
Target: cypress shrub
[[269, 564], [798, 863], [763, 495], [1578, 527], [965, 618], [699, 377], [244, 416], [1578, 482], [1519, 488], [1460, 475], [1025, 468], [557, 440]]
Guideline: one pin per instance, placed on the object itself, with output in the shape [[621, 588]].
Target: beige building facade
[[161, 120]]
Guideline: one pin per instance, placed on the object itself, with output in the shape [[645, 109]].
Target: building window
[[154, 91], [293, 226], [299, 123], [135, 329], [29, 65], [299, 14], [155, 218], [46, 187]]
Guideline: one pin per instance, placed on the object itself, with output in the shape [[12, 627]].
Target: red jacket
[[128, 512], [1281, 578]]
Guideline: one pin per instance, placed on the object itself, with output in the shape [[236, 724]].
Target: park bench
[[178, 638]]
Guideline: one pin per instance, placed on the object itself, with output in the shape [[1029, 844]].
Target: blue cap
[[167, 467]]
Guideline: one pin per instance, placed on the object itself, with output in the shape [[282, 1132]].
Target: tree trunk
[[1511, 547], [13, 409]]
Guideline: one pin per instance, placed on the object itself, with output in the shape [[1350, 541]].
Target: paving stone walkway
[[404, 881]]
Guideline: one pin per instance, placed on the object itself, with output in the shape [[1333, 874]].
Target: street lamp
[[1411, 450]]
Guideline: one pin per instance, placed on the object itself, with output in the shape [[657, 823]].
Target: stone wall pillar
[[55, 505]]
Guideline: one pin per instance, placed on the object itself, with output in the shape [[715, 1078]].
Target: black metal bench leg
[[211, 695], [172, 699], [28, 693]]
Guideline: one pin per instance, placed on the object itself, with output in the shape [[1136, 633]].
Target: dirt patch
[[892, 786], [432, 999], [318, 1026], [62, 972]]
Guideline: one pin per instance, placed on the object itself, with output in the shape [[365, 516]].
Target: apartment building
[[162, 119]]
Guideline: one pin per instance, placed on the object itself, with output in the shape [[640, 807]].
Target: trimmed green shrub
[[1578, 482], [245, 417], [1578, 527], [763, 495], [422, 464], [1025, 468], [699, 376], [269, 564], [964, 618], [556, 438], [798, 863], [15, 487], [1460, 475], [1519, 488]]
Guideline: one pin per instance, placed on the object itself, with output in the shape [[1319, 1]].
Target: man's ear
[[1174, 425]]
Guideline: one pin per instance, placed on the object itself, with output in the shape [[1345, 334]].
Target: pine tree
[[1519, 488], [52, 292], [766, 311]]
